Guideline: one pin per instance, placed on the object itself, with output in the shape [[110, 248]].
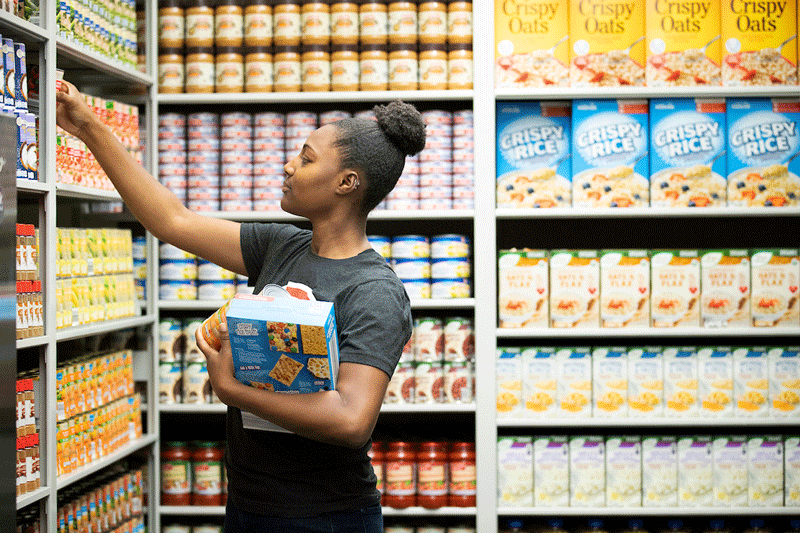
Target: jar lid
[[344, 48], [460, 46], [312, 2], [258, 50], [455, 3], [229, 2], [164, 51], [287, 49], [395, 2], [436, 47], [344, 3], [175, 444], [433, 3], [170, 3], [200, 3], [423, 445], [463, 446], [373, 47], [205, 444], [285, 2], [199, 50], [229, 50], [315, 48], [403, 47], [367, 2], [260, 3]]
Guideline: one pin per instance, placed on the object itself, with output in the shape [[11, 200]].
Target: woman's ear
[[348, 181]]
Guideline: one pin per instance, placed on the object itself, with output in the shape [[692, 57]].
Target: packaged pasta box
[[508, 375], [530, 44], [715, 381], [624, 471], [610, 382], [695, 471], [551, 471], [515, 471], [765, 471], [587, 471], [791, 471], [660, 471], [683, 43], [574, 382], [574, 289], [687, 163], [624, 288], [680, 381], [523, 288], [610, 153], [725, 299], [730, 471], [759, 43], [539, 383], [751, 382], [784, 381], [763, 143], [534, 168], [675, 288], [645, 382], [775, 277], [607, 43]]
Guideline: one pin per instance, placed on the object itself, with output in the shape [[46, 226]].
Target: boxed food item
[[762, 143], [687, 139], [610, 382], [523, 288], [675, 288], [587, 471], [660, 471], [680, 381], [624, 288], [508, 373], [574, 382], [539, 382], [715, 381], [623, 471], [683, 43], [730, 471], [765, 471], [574, 289], [607, 42], [530, 44], [791, 471], [534, 168], [751, 382], [784, 381], [515, 471], [645, 382], [695, 472], [610, 166], [551, 471], [775, 278], [725, 299]]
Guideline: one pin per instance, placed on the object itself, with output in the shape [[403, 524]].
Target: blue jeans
[[367, 520]]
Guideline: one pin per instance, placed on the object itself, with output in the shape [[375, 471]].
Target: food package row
[[88, 299], [93, 251]]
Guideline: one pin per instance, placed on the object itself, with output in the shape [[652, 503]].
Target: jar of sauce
[[459, 22], [228, 23], [258, 69], [176, 475], [207, 474], [287, 23], [432, 22], [376, 455], [463, 481], [344, 67], [199, 70], [170, 70], [344, 22], [258, 23], [433, 67], [403, 67], [402, 22], [373, 63], [401, 478], [315, 68], [459, 66], [432, 482], [170, 24], [315, 22], [229, 69], [200, 23], [286, 69], [373, 22]]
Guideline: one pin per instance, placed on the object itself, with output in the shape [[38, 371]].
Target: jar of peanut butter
[[199, 70], [200, 23], [373, 22], [286, 69], [228, 23], [459, 22], [229, 69], [403, 67], [315, 68], [286, 21], [432, 22], [258, 69], [402, 22], [170, 70], [373, 64], [344, 22], [315, 22], [432, 67], [170, 24], [258, 23], [459, 66], [344, 67]]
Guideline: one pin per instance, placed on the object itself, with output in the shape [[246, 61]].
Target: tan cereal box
[[610, 382], [715, 381], [508, 376], [680, 381], [775, 276], [675, 288], [574, 382], [574, 289], [645, 382], [784, 381], [751, 382], [624, 288], [539, 383], [523, 282], [725, 284]]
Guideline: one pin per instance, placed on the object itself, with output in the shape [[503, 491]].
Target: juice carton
[[791, 471], [765, 471], [539, 383], [574, 382], [508, 373], [751, 382], [551, 471], [695, 472], [775, 277], [675, 291], [20, 77], [715, 381], [645, 382], [610, 382], [784, 381], [515, 471], [680, 381], [523, 285], [725, 281], [730, 471], [587, 471], [9, 96], [574, 289], [660, 471], [623, 471], [624, 288]]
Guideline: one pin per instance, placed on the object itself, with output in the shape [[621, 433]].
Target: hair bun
[[403, 125]]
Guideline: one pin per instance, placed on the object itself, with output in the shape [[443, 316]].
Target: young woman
[[319, 478]]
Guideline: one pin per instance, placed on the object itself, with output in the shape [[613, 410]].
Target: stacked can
[[203, 145], [450, 267], [299, 125], [177, 273], [382, 245], [329, 117], [172, 157], [140, 267], [405, 195], [268, 160], [463, 160], [214, 282], [411, 262], [236, 162], [436, 162]]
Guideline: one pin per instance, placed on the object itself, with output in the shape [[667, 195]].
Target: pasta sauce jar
[[432, 475], [344, 22], [207, 474], [200, 23], [176, 474], [258, 23], [401, 478], [344, 67], [462, 481], [377, 459]]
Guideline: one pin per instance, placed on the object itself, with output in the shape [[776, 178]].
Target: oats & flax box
[[695, 471], [508, 375], [551, 471], [574, 289], [784, 381], [730, 471], [715, 381], [675, 288], [725, 299], [765, 471], [574, 382], [645, 382], [523, 288], [515, 471], [660, 471], [680, 381], [539, 382], [587, 471], [610, 382], [775, 277], [751, 381], [624, 471], [624, 288], [534, 167]]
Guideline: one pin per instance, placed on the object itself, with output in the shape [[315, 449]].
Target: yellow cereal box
[[759, 42], [675, 288], [531, 48], [725, 299], [574, 382], [645, 382], [606, 43], [751, 382], [574, 287], [624, 288], [523, 288], [508, 375], [715, 381], [610, 382], [683, 43], [784, 381], [680, 381], [775, 277], [539, 382]]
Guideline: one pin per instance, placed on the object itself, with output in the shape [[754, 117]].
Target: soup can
[[450, 288], [410, 247], [178, 290], [417, 288], [449, 246]]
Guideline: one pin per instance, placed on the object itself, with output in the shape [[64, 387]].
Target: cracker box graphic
[[533, 154], [609, 153], [687, 164]]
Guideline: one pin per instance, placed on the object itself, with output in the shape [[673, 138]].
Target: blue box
[[20, 77], [9, 80]]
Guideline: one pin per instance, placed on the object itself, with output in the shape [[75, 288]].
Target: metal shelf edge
[[313, 97], [32, 497], [202, 305], [556, 333], [646, 511], [32, 342], [381, 214], [649, 212], [385, 408], [23, 27], [87, 57], [124, 451], [86, 193], [646, 422], [571, 93], [107, 326], [33, 186], [421, 511]]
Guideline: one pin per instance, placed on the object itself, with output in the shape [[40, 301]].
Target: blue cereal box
[[533, 154], [9, 83], [609, 153], [687, 163], [763, 144], [20, 77]]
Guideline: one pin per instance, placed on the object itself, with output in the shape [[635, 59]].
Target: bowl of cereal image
[[771, 186], [567, 307], [696, 186], [768, 306], [610, 187], [517, 308], [719, 305], [541, 187], [617, 307], [668, 307]]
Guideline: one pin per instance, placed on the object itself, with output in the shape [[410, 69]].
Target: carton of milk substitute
[[551, 471], [695, 472], [587, 471], [730, 471], [660, 471], [515, 471], [765, 471], [623, 471]]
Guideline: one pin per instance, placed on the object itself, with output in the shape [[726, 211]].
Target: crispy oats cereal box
[[791, 471], [574, 382], [523, 286], [695, 472], [725, 298], [515, 471], [508, 372], [715, 381], [763, 143], [624, 288], [539, 383], [683, 43], [645, 382], [687, 140], [660, 471], [531, 43], [610, 153], [610, 382], [606, 40], [730, 471], [534, 168], [775, 276], [751, 382], [759, 43], [551, 471], [784, 381], [675, 288], [624, 471], [574, 289], [587, 471], [765, 471], [680, 381]]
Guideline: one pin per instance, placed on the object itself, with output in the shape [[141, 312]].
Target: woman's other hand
[[72, 113], [219, 363]]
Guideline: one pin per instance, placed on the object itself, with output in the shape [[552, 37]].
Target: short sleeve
[[257, 240]]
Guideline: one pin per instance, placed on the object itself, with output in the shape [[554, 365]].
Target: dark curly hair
[[378, 148]]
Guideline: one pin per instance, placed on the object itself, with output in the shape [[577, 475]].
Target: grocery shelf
[[33, 186], [193, 510], [20, 29], [106, 326], [32, 497], [646, 212], [443, 303], [569, 93], [652, 333], [193, 408], [210, 305], [347, 97], [385, 408], [421, 511], [380, 214], [647, 511], [82, 57], [32, 342], [87, 193], [654, 422]]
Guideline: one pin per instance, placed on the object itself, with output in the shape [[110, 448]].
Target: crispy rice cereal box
[[587, 471], [515, 471], [531, 48], [758, 44], [680, 381], [610, 382], [715, 381], [675, 288], [610, 153], [784, 381], [508, 372], [539, 383], [775, 277], [574, 289], [725, 298], [660, 471], [791, 471], [765, 471], [523, 283], [763, 142], [574, 382], [607, 43], [730, 471], [624, 288], [695, 472], [645, 382], [623, 471], [551, 471], [751, 382], [687, 140], [683, 43], [534, 168]]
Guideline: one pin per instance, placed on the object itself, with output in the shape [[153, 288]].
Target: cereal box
[[763, 143], [765, 471], [680, 381], [687, 139], [695, 472], [624, 288], [715, 381], [9, 97], [791, 471], [675, 288], [683, 43], [539, 383], [574, 382], [751, 382], [660, 471], [730, 471], [759, 45], [531, 48], [645, 382], [623, 471], [775, 277], [606, 40], [534, 168], [587, 471], [551, 471], [515, 471], [609, 153], [508, 373], [725, 299], [610, 382], [523, 283], [574, 289], [784, 381]]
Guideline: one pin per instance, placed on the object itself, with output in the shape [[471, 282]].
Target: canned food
[[381, 244], [411, 165], [463, 192], [402, 204], [436, 204], [272, 159], [450, 288], [417, 289], [208, 271], [435, 154], [140, 286], [268, 144], [236, 182], [401, 386], [203, 181], [428, 528], [191, 351], [438, 142], [239, 158], [399, 529], [459, 339], [203, 143], [170, 376], [299, 131], [202, 132], [196, 384], [175, 120], [449, 245], [410, 181], [463, 131], [269, 118], [205, 206], [223, 289], [463, 180], [267, 181], [463, 116], [450, 268], [437, 192], [204, 168], [236, 168], [463, 142], [171, 157], [139, 250], [172, 170], [429, 339], [429, 382], [328, 117], [236, 193], [172, 145], [236, 132], [269, 193], [170, 340], [204, 157], [407, 355], [435, 180], [436, 167], [458, 380], [437, 116], [202, 119], [177, 528], [463, 203], [463, 167], [439, 130], [464, 154], [236, 144], [235, 118], [266, 205], [404, 193], [264, 132], [168, 251], [169, 132], [236, 206], [202, 193], [177, 269], [294, 145], [410, 247], [299, 118], [174, 182], [207, 528], [178, 290], [412, 268]]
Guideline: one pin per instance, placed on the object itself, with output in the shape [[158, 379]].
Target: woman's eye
[[304, 160]]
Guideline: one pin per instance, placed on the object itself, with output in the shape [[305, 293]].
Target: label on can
[[410, 247], [450, 268], [417, 288], [429, 339], [459, 339], [449, 246], [196, 384], [216, 289], [450, 288], [401, 386], [169, 382], [458, 380], [412, 268], [429, 382], [177, 269], [178, 290]]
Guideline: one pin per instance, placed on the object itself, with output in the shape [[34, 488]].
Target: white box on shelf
[[695, 472], [587, 471], [680, 381], [645, 382], [508, 379], [784, 381], [539, 383], [660, 471], [515, 471], [574, 382], [610, 382], [551, 471], [730, 471], [715, 381], [624, 471], [765, 471], [751, 382]]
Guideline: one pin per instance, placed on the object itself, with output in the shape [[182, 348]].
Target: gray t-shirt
[[280, 474]]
